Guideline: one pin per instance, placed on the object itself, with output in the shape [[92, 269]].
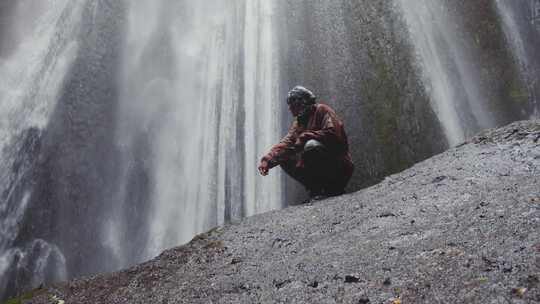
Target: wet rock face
[[463, 226]]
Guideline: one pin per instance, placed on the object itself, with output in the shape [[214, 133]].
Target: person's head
[[299, 100]]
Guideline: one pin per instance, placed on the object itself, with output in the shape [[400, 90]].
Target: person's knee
[[313, 145], [315, 153]]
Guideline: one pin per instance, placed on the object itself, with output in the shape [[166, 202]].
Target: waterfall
[[262, 105], [195, 109], [521, 24], [450, 80], [200, 85], [32, 74]]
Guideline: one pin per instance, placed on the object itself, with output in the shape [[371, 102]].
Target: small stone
[[507, 269], [351, 279], [280, 284], [363, 300], [236, 261], [438, 179], [533, 280], [482, 280], [519, 291], [314, 284]]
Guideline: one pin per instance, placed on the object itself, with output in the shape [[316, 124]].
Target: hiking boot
[[337, 192], [312, 199], [315, 192]]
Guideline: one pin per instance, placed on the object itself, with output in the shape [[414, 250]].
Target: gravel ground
[[460, 227]]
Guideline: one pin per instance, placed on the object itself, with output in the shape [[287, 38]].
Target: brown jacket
[[323, 125]]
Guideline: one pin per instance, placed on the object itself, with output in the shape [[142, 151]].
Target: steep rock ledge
[[461, 227]]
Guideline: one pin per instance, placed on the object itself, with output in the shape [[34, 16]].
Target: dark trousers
[[318, 172]]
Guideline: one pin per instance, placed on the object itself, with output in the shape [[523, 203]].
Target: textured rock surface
[[461, 227]]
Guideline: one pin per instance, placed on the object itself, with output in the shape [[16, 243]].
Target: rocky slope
[[461, 227]]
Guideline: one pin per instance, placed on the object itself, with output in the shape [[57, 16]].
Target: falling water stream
[[521, 23], [30, 80], [454, 88], [213, 72]]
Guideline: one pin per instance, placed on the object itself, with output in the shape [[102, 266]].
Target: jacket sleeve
[[331, 133], [283, 150]]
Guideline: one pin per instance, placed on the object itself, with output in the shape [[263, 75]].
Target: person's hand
[[263, 168]]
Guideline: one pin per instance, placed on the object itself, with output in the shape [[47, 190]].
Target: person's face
[[296, 106]]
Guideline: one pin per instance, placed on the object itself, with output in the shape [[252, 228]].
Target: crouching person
[[315, 151]]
